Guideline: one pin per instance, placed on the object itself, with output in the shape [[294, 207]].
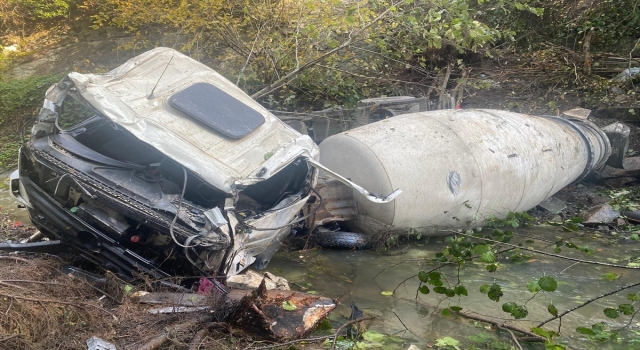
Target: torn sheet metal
[[338, 203]]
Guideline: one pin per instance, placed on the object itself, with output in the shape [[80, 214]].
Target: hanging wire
[[173, 223]]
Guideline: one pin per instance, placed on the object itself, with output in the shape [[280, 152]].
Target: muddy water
[[363, 276]]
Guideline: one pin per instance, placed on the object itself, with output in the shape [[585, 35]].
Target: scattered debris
[[618, 182], [621, 222], [263, 311], [600, 214], [630, 169], [183, 299], [553, 205], [163, 337], [579, 113], [95, 343], [251, 279], [178, 309], [618, 135], [626, 75]]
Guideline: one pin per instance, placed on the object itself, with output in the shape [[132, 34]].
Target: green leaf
[[548, 283], [495, 292], [484, 289], [128, 289], [436, 283], [435, 275], [634, 236], [492, 267], [626, 309], [450, 292], [424, 290], [533, 286], [577, 220], [386, 293], [423, 277], [447, 341], [611, 276], [488, 257], [570, 227], [552, 310], [611, 313], [440, 290], [508, 307], [373, 336], [520, 312], [446, 312], [541, 332], [584, 330], [461, 290], [633, 296], [289, 305], [455, 308], [481, 249]]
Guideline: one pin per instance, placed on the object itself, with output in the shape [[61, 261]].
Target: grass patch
[[9, 146]]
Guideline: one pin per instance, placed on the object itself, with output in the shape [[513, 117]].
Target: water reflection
[[363, 276]]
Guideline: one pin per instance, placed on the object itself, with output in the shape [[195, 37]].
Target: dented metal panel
[[124, 95]]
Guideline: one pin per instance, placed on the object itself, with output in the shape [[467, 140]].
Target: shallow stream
[[362, 276]]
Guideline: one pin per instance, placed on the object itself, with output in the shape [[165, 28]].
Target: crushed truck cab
[[165, 167]]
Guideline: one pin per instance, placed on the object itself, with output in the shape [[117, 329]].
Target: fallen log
[[276, 314], [279, 315]]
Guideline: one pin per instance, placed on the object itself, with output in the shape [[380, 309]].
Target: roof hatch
[[217, 110]]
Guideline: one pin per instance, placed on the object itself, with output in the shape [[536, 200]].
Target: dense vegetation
[[304, 54]]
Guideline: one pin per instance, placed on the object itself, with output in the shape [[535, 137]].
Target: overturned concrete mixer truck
[[163, 166], [458, 168]]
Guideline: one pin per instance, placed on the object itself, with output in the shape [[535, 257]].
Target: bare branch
[[534, 337], [589, 302], [545, 253], [513, 336], [335, 337], [291, 75]]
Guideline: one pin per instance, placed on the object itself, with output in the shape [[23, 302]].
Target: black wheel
[[343, 240]]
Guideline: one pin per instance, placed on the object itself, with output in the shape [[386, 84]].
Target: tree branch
[[545, 253], [335, 337], [589, 302], [534, 337], [287, 78]]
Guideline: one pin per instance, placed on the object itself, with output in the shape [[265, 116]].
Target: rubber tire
[[343, 240]]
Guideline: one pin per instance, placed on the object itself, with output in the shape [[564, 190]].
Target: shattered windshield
[[74, 110]]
